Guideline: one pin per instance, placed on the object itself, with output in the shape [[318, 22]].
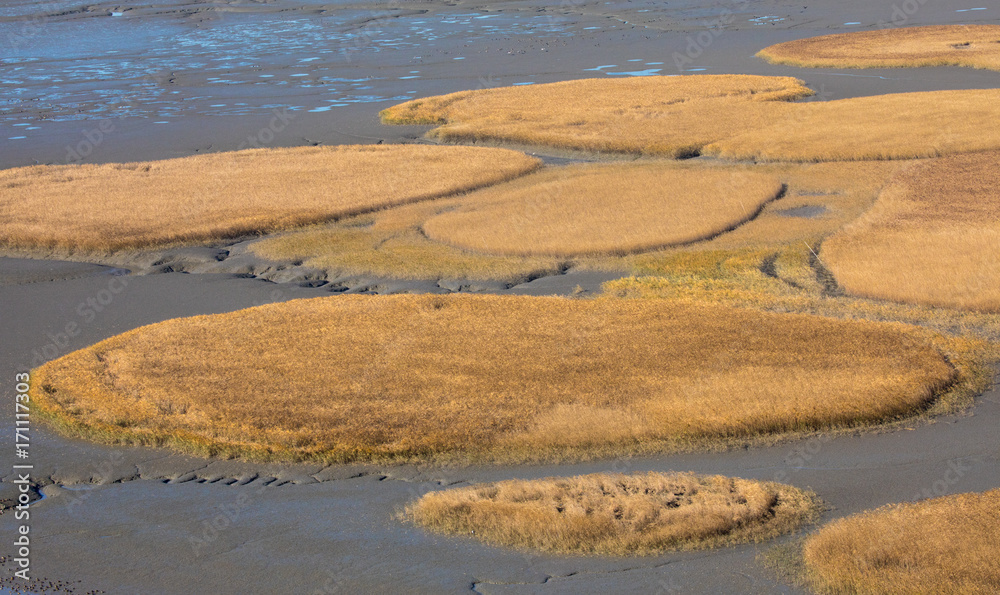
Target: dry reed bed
[[896, 126], [483, 377], [615, 514], [657, 115], [732, 116], [975, 46], [944, 545], [225, 195], [604, 209], [933, 237]]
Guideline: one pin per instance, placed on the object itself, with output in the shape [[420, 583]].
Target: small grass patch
[[217, 196], [944, 545], [975, 46], [933, 237], [485, 378], [785, 561], [617, 515], [605, 209]]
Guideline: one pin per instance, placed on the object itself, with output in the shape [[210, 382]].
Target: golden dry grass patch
[[975, 46], [840, 190], [617, 514], [605, 209], [771, 262], [933, 237], [484, 377], [737, 117], [944, 545], [224, 195], [895, 126], [657, 115]]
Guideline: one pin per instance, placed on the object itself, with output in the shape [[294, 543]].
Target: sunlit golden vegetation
[[897, 126], [933, 237], [944, 545], [732, 116], [615, 514], [976, 46], [393, 243], [485, 377], [224, 195], [611, 208], [657, 115], [791, 277]]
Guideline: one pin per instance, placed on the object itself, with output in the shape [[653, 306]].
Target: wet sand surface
[[176, 78]]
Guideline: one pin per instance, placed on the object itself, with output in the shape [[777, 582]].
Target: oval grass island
[[972, 46], [423, 377], [617, 515], [614, 208], [218, 196]]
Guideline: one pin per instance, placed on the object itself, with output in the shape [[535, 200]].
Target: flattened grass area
[[732, 116], [944, 545], [618, 515], [667, 116], [399, 249], [975, 46], [225, 195], [933, 237], [393, 242], [605, 209], [353, 378]]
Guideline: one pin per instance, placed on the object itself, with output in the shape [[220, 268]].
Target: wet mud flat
[[105, 82], [17, 271]]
